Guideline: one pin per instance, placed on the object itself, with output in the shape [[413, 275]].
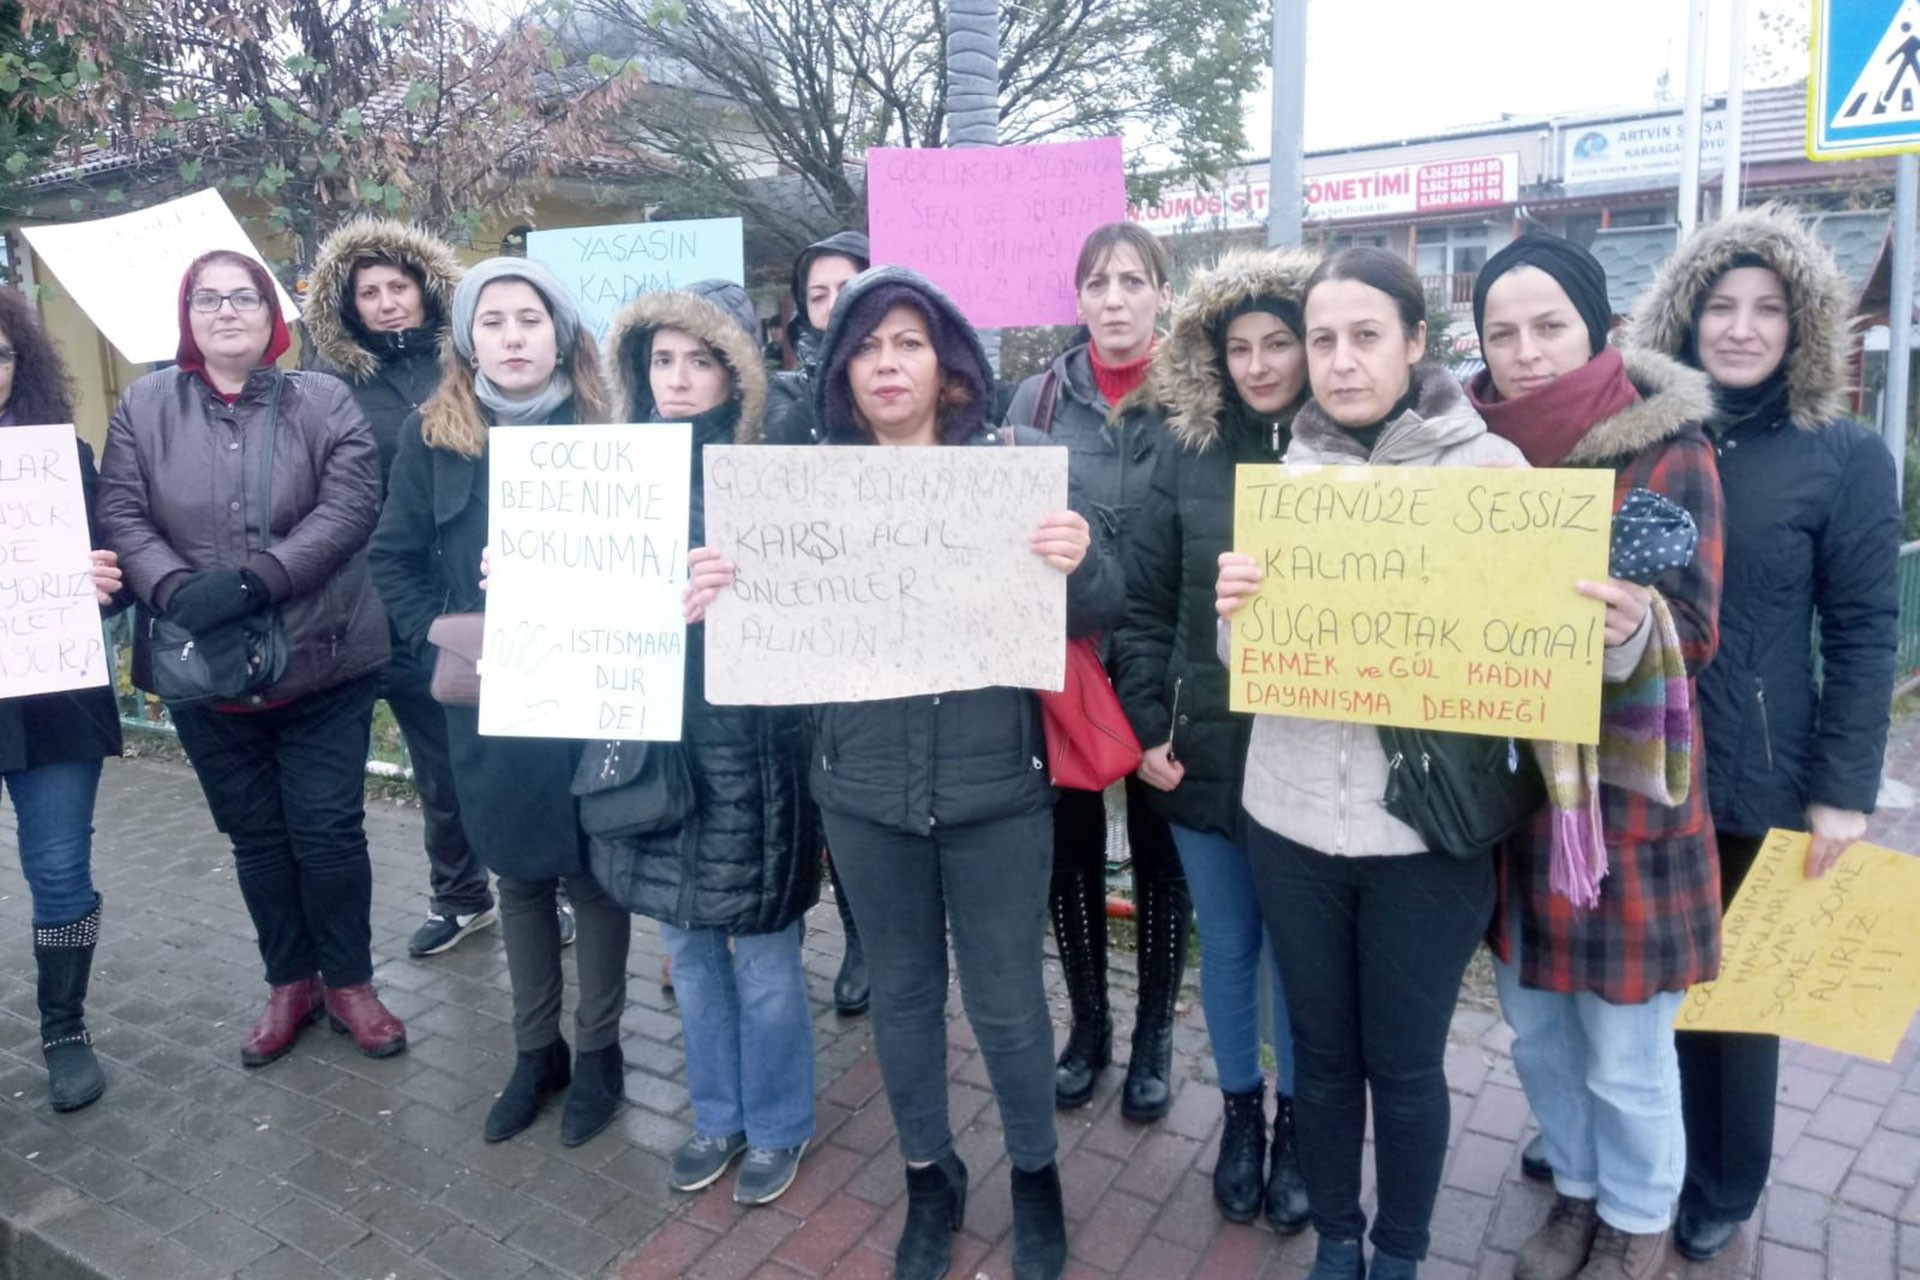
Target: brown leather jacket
[[179, 492]]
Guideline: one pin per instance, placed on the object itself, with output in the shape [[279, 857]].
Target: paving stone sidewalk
[[329, 1164]]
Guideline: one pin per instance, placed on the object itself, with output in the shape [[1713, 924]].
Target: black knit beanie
[[1286, 310], [1572, 268]]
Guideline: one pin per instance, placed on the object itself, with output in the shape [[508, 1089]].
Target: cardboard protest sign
[[124, 271], [1833, 961], [587, 538], [882, 572], [605, 268], [1432, 598], [50, 637], [998, 228]]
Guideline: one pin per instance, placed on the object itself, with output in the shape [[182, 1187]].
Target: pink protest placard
[[998, 228]]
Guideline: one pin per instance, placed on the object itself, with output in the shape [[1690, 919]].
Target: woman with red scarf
[[1591, 975], [196, 456]]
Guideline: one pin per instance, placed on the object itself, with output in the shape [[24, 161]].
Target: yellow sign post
[[1431, 598], [1833, 961]]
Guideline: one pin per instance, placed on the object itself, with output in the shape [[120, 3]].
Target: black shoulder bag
[[235, 659], [1463, 792]]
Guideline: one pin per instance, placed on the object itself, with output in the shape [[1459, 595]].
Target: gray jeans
[[532, 934], [987, 882]]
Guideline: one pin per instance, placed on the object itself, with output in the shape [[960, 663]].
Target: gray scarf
[[566, 331], [523, 413]]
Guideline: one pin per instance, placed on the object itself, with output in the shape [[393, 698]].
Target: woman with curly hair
[[51, 746]]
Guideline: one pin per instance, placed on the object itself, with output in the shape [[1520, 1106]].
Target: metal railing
[[387, 750]]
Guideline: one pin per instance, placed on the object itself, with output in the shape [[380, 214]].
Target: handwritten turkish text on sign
[[1833, 961], [587, 537], [50, 638], [998, 228], [1432, 598], [605, 268], [882, 572]]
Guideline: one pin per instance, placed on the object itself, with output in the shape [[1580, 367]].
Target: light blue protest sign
[[607, 267]]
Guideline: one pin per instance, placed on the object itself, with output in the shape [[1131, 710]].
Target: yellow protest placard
[[1432, 598], [1833, 961]]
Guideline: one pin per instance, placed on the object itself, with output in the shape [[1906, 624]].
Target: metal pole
[[1286, 182], [1906, 208], [1736, 108], [1690, 118]]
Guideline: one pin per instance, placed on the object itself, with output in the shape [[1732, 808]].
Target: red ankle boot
[[290, 1007], [358, 1010]]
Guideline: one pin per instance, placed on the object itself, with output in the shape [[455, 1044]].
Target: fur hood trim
[[628, 340], [1672, 399], [1188, 379], [1817, 295], [329, 305]]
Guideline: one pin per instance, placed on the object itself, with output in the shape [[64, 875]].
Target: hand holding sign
[[107, 580]]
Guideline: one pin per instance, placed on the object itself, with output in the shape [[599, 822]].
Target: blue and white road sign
[[1863, 98]]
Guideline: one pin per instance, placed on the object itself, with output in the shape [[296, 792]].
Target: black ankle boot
[[1240, 1170], [1078, 900], [936, 1207], [599, 1085], [852, 992], [64, 953], [537, 1075], [1164, 912], [1287, 1208], [1338, 1260], [1039, 1225]]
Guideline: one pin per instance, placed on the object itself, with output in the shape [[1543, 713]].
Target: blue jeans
[[749, 1032], [1604, 1082], [1226, 911], [54, 806]]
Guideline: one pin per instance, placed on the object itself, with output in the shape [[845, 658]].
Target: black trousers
[[1080, 836], [455, 876], [1728, 1085], [987, 883], [288, 786], [1371, 952]]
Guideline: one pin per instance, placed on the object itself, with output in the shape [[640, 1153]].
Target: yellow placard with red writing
[[1426, 597], [1833, 961]]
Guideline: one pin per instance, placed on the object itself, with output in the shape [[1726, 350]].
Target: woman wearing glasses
[[194, 453]]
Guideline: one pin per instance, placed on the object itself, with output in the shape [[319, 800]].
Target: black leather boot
[[599, 1086], [852, 992], [537, 1076], [1338, 1260], [1240, 1170], [64, 953], [1039, 1225], [1164, 912], [1287, 1208], [936, 1208], [1078, 899]]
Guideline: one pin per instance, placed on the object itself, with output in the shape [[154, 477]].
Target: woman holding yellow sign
[[1813, 528], [1612, 909], [1373, 930]]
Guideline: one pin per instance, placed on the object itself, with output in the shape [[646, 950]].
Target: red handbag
[[1090, 745]]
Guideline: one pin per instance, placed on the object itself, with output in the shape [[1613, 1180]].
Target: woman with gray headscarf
[[518, 356]]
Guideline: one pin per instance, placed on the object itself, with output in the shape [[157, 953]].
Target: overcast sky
[[1378, 70]]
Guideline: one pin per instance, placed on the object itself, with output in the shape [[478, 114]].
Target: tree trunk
[[973, 91]]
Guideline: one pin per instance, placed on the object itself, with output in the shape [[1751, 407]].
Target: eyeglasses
[[207, 301]]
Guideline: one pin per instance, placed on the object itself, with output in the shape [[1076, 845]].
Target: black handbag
[[630, 789], [1463, 792], [237, 658]]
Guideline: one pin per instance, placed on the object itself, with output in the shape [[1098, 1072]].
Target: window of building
[[1448, 258]]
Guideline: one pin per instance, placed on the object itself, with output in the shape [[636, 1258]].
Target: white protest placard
[[124, 271], [50, 638], [867, 573], [587, 549], [605, 268]]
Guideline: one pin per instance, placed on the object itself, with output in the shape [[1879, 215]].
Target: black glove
[[206, 600]]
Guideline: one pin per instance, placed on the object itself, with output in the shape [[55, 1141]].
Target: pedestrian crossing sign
[[1863, 97]]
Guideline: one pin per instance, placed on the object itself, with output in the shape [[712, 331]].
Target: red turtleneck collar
[[1118, 381]]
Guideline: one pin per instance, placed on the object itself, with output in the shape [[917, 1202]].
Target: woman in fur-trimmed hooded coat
[[1812, 537], [1173, 687]]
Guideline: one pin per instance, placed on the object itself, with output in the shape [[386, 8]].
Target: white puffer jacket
[[1321, 783]]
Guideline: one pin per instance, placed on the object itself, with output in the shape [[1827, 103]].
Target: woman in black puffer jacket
[[731, 884]]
